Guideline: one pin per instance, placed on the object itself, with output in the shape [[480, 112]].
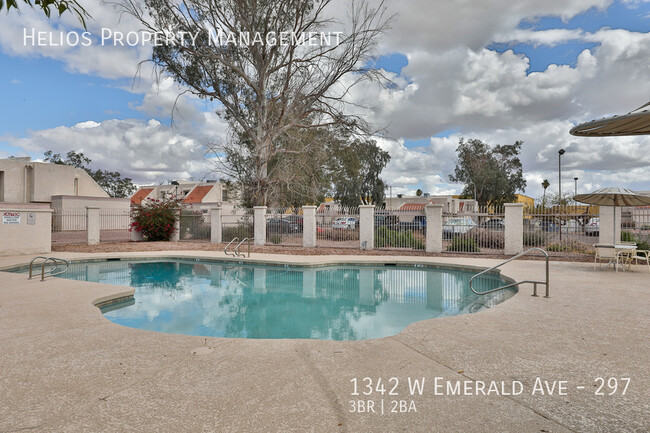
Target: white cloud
[[145, 151]]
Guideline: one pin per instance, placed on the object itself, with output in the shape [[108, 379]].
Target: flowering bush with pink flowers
[[155, 219]]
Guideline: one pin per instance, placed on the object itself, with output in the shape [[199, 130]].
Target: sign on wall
[[31, 219], [11, 218]]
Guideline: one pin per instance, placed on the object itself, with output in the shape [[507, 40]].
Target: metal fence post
[[92, 225], [260, 225], [434, 228], [367, 227], [309, 226], [514, 228], [215, 225]]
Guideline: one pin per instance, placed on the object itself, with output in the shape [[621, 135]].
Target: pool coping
[[528, 329]]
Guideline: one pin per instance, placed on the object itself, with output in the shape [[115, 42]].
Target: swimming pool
[[227, 299]]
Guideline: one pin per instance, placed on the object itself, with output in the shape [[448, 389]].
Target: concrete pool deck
[[65, 368]]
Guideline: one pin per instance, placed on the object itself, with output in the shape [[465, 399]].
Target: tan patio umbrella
[[613, 197], [636, 122]]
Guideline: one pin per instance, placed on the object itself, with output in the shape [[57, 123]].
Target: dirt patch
[[294, 250]]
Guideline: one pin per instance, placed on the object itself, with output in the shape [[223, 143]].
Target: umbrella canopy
[[613, 197], [636, 122]]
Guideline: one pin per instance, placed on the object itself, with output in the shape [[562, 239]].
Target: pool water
[[220, 299]]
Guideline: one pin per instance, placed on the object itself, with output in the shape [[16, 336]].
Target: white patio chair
[[605, 252], [643, 255]]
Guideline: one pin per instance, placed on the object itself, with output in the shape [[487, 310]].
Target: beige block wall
[[75, 202], [52, 179], [24, 238], [14, 173]]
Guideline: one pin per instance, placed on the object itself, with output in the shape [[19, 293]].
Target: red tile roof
[[412, 207], [140, 195], [197, 194]]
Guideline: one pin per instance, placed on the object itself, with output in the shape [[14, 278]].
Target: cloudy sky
[[496, 70]]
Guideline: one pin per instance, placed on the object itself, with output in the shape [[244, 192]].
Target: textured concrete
[[65, 368]]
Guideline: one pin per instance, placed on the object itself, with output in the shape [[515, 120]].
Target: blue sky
[[45, 94]]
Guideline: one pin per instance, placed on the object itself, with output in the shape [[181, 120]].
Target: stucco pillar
[[367, 227], [176, 236], [514, 232], [136, 236], [215, 225], [606, 228], [309, 226], [434, 228], [92, 225], [260, 225]]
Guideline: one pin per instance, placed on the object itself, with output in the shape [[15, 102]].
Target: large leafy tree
[[111, 181], [270, 87], [355, 167], [495, 172], [59, 6], [314, 163]]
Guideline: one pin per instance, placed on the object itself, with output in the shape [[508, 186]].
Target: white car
[[456, 226], [592, 228], [345, 223]]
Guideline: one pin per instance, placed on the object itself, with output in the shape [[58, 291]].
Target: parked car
[[345, 223], [296, 223], [390, 221], [419, 223], [494, 224], [288, 224], [456, 226], [592, 228]]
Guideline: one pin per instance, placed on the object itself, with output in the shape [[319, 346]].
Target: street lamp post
[[575, 191], [559, 199]]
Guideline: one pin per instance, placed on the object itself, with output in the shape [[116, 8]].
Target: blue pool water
[[220, 299]]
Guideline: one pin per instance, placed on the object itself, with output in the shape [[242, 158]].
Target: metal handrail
[[52, 272], [535, 283], [225, 250], [237, 253]]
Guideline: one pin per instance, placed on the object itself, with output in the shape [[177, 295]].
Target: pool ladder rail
[[535, 283], [52, 272], [236, 252]]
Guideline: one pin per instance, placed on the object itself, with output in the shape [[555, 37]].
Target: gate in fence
[[284, 226], [69, 226], [237, 223], [194, 225], [114, 225], [562, 229], [337, 226], [475, 231], [401, 229]]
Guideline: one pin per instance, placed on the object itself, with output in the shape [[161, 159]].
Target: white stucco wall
[[25, 181], [25, 238]]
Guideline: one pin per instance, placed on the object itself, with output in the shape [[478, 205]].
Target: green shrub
[[488, 239], [155, 219], [569, 246], [534, 239], [641, 243], [467, 245], [385, 237], [627, 237], [275, 238], [240, 231]]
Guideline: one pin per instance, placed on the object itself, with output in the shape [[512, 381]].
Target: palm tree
[[545, 184]]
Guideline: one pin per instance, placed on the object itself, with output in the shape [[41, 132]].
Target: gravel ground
[[278, 249]]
